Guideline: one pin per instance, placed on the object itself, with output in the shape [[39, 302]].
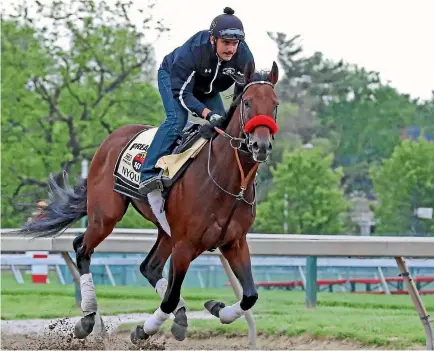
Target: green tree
[[348, 105], [23, 158], [403, 183], [306, 181], [369, 127], [72, 73], [314, 81]]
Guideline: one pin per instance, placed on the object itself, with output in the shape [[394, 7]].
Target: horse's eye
[[247, 103]]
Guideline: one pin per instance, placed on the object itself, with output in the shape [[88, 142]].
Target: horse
[[211, 206]]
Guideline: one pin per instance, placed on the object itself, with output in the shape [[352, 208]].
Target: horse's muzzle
[[260, 144]]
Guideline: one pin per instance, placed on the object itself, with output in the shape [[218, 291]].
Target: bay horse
[[211, 206]]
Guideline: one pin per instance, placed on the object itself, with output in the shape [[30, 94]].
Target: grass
[[387, 321]]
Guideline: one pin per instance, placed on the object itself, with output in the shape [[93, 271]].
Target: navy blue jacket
[[197, 72]]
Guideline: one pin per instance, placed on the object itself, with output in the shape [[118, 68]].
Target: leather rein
[[245, 179]]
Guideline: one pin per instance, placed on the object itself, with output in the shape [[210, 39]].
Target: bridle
[[236, 144], [243, 120]]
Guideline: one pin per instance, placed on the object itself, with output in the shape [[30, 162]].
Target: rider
[[190, 79]]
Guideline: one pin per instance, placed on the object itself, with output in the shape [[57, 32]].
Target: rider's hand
[[215, 119], [207, 131]]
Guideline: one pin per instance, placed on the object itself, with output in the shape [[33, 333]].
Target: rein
[[245, 179]]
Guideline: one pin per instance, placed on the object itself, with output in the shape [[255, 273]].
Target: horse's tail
[[67, 205]]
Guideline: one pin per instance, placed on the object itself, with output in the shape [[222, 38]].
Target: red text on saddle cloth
[[261, 120]]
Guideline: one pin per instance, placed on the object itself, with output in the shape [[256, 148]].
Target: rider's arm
[[182, 79]]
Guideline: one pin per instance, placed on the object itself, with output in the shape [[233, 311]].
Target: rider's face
[[226, 48]]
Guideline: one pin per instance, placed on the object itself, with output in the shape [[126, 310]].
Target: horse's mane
[[239, 88]]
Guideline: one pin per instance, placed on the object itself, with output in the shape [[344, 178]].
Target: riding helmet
[[227, 26]]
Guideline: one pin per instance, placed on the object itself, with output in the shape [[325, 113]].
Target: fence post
[[311, 281]]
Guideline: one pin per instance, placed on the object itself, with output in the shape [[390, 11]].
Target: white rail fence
[[17, 262], [139, 241]]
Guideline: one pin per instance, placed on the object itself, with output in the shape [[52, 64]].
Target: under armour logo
[[207, 70]]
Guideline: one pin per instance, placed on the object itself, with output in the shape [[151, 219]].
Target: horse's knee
[[248, 301]]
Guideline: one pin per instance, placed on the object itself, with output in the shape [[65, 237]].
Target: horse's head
[[258, 111]]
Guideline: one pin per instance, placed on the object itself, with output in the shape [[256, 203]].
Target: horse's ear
[[249, 70], [273, 76]]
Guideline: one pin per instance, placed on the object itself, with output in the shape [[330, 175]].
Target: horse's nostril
[[255, 146]]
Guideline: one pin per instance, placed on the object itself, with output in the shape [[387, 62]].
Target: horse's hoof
[[179, 325], [178, 331], [214, 307], [138, 334], [84, 326]]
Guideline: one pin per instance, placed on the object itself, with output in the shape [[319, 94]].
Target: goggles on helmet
[[231, 33]]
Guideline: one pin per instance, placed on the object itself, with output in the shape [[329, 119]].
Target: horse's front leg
[[238, 256], [182, 255], [152, 268]]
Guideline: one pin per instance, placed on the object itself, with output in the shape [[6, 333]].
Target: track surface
[[58, 334], [120, 341]]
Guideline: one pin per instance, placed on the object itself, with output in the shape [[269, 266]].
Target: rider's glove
[[215, 119], [207, 131]]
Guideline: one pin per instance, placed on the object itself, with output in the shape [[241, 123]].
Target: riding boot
[[152, 178]]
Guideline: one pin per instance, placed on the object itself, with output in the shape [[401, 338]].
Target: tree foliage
[[349, 105], [306, 181], [72, 73], [403, 183]]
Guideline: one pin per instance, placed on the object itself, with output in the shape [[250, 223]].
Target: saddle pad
[[132, 156], [130, 160]]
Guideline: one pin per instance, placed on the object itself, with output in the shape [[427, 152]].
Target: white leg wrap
[[154, 322], [230, 313], [161, 288], [88, 296]]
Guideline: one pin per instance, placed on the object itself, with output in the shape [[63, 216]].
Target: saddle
[[190, 134], [131, 158]]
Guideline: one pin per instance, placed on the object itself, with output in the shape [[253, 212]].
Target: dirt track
[[58, 335], [120, 341]]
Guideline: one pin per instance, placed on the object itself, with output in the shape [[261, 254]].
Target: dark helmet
[[227, 26]]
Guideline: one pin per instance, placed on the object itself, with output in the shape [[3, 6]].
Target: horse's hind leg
[[102, 218], [152, 269], [182, 255], [237, 254], [88, 302]]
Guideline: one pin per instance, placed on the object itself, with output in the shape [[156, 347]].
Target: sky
[[395, 38]]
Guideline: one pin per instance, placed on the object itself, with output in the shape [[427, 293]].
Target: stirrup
[[153, 183]]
